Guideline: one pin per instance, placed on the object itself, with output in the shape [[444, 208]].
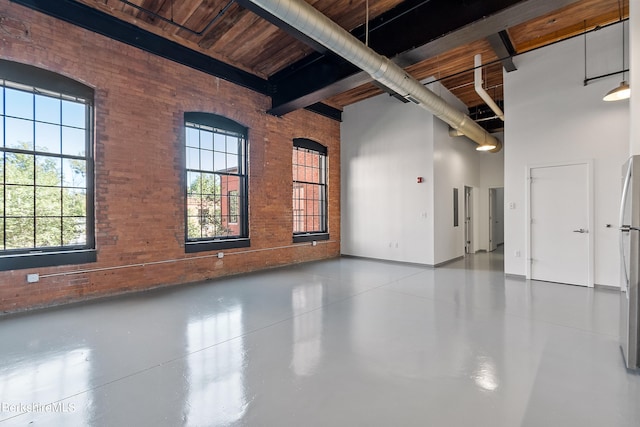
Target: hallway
[[341, 342]]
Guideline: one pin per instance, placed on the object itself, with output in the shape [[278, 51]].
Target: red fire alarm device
[[419, 180]]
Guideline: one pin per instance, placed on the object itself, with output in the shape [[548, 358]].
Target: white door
[[559, 233]]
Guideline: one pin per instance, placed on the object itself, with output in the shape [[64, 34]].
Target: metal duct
[[477, 79], [306, 19]]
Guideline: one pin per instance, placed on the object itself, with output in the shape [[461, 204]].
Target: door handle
[[581, 230]]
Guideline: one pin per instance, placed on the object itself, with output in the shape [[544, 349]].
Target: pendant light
[[622, 91]]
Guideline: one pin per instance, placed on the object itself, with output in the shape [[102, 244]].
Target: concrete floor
[[346, 342]]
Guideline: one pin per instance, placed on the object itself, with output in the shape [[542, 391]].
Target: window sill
[[212, 245], [310, 237], [46, 259]]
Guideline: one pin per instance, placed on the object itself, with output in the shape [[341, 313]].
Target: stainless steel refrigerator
[[630, 268]]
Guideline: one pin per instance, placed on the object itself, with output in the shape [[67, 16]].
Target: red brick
[[140, 101]]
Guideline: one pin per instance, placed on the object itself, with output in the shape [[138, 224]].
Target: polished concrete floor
[[345, 342]]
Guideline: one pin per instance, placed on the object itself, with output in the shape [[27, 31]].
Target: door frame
[[590, 213]]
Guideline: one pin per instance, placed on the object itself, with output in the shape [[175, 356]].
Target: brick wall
[[139, 137]]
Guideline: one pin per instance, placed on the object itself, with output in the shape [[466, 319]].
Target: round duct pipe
[[306, 19]]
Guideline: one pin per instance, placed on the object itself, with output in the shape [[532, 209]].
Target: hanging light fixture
[[623, 91]]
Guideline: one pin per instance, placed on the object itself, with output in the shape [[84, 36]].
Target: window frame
[[227, 127], [315, 235], [48, 82]]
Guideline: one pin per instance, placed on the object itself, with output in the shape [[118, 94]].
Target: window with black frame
[[46, 169], [216, 183], [309, 191]]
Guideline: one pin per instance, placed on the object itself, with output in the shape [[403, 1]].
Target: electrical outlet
[[33, 278], [314, 243], [517, 254], [220, 255]]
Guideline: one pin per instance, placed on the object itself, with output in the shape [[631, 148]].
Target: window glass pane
[[193, 228], [73, 141], [1, 132], [19, 103], [194, 204], [19, 200], [206, 140], [19, 133], [48, 232], [193, 158], [48, 138], [1, 104], [232, 163], [74, 172], [19, 233], [74, 202], [48, 170], [1, 234], [47, 109], [206, 160], [219, 143], [219, 164], [19, 168], [1, 168], [48, 201], [232, 145], [73, 114], [74, 231], [193, 182], [210, 183], [192, 137]]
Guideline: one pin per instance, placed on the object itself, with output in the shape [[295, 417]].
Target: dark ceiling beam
[[409, 33], [502, 46], [99, 22], [325, 110]]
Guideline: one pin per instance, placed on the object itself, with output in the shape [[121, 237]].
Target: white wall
[[634, 78], [385, 146], [552, 117]]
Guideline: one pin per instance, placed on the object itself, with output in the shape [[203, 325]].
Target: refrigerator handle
[[623, 205]]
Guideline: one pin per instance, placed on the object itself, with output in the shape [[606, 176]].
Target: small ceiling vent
[[412, 99]]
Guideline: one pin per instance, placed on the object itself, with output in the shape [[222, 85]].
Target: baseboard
[[516, 276], [607, 287], [440, 264], [391, 261]]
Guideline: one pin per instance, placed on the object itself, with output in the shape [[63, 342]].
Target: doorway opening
[[468, 223], [496, 218]]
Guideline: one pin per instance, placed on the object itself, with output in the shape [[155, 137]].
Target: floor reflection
[[307, 328], [485, 375], [38, 384], [216, 363]]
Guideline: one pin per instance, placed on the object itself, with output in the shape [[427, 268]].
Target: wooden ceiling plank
[[565, 22], [232, 16]]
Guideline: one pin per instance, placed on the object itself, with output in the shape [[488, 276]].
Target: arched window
[[216, 177], [46, 169], [309, 191]]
